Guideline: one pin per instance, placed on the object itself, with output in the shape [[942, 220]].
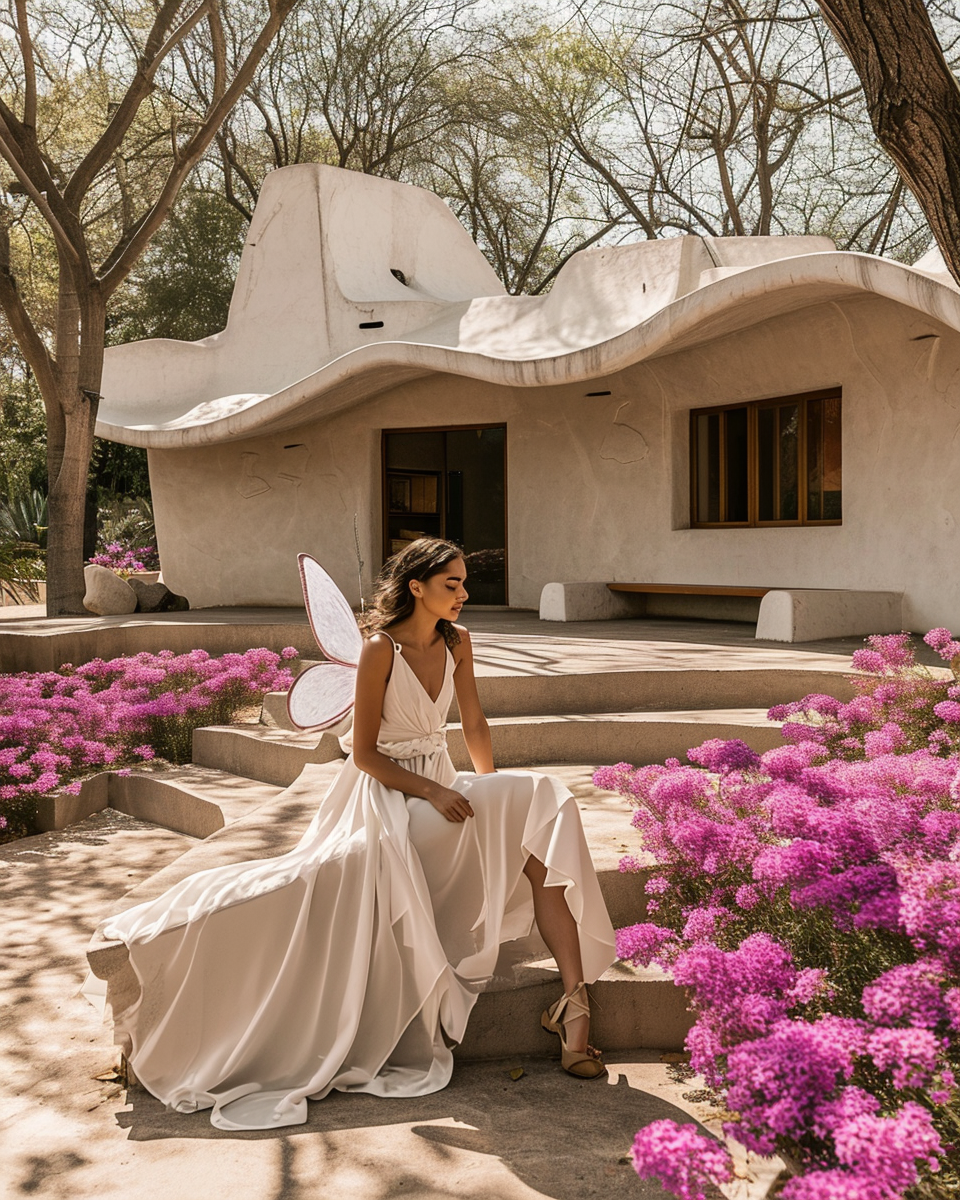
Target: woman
[[352, 961]]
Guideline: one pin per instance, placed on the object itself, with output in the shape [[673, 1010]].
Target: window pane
[[785, 468], [767, 463], [832, 478], [708, 467], [789, 441], [736, 488], [823, 460], [778, 445], [815, 460]]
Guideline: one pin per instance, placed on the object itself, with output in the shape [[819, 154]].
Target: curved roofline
[[737, 301]]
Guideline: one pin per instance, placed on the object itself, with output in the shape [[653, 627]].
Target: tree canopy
[[136, 140]]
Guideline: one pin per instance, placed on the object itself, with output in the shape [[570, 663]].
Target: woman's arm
[[373, 671], [476, 731]]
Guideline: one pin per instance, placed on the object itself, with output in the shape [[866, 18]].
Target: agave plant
[[21, 570], [23, 519]]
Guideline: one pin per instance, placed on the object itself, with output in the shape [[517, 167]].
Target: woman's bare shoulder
[[377, 649], [463, 647]]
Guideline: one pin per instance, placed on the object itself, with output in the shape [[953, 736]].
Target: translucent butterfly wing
[[322, 695], [331, 617]]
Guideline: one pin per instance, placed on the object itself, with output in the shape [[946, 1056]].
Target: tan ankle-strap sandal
[[583, 1064]]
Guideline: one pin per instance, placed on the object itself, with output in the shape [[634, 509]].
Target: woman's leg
[[559, 930]]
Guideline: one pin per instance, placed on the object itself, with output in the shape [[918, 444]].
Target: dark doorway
[[450, 483]]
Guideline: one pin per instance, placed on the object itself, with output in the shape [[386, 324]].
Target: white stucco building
[[743, 411]]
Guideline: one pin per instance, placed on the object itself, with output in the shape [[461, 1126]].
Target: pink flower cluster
[[124, 560], [809, 900], [686, 1162], [57, 726]]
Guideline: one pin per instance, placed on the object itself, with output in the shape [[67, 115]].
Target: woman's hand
[[450, 804]]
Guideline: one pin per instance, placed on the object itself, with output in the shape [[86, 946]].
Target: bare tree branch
[[65, 244], [156, 50], [29, 68], [219, 49], [31, 343], [118, 263]]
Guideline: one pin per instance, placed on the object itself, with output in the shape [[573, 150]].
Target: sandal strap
[[571, 1005]]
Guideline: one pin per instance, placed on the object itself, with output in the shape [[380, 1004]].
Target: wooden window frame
[[752, 408]]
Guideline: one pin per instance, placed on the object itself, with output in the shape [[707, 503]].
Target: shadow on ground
[[559, 1137]]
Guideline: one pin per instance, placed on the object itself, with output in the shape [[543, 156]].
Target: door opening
[[450, 483]]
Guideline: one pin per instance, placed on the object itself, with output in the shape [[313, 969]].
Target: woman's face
[[443, 594]]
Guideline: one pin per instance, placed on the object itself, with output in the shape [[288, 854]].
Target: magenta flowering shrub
[[125, 560], [58, 726], [809, 900], [899, 706]]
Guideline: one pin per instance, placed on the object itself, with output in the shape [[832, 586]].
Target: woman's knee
[[534, 870]]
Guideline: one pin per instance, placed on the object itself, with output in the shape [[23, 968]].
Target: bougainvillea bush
[[809, 899], [58, 726]]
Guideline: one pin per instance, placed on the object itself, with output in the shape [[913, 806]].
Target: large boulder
[[157, 597], [107, 594]]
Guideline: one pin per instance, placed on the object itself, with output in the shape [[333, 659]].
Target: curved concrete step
[[39, 643], [652, 689], [278, 756], [609, 737], [191, 799], [258, 752]]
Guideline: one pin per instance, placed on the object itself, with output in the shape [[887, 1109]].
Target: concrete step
[[609, 737], [39, 643], [634, 1008], [652, 689], [258, 752], [192, 799], [630, 1009], [278, 756]]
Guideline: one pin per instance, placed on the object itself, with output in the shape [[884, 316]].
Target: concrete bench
[[781, 614]]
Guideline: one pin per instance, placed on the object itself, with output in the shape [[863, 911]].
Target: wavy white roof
[[317, 267]]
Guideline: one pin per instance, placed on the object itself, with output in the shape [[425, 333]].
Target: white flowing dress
[[353, 961]]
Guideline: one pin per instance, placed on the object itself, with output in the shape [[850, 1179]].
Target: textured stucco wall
[[598, 488]]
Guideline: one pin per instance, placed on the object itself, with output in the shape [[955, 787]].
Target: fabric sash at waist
[[428, 745]]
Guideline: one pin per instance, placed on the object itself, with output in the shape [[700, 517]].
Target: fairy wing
[[331, 617], [321, 695]]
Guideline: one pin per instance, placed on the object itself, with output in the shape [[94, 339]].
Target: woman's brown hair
[[392, 599]]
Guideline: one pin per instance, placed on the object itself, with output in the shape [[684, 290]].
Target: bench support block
[[810, 615], [785, 615], [586, 602]]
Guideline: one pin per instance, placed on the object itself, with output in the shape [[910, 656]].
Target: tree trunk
[[65, 511], [71, 418], [913, 100]]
